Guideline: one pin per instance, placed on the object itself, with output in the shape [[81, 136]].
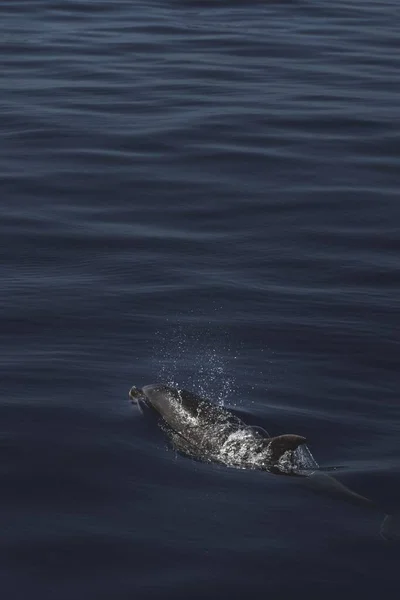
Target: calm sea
[[204, 192]]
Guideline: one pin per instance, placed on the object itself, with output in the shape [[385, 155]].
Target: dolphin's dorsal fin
[[282, 443]]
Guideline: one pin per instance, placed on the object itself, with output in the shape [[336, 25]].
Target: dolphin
[[211, 433]]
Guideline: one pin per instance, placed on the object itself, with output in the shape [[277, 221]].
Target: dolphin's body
[[211, 433]]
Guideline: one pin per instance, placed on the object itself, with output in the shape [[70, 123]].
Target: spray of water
[[186, 360]]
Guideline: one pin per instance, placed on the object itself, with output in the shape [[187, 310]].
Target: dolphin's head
[[161, 398]]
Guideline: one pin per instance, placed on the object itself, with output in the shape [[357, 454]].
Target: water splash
[[186, 356]]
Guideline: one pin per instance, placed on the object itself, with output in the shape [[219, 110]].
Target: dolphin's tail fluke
[[390, 528]]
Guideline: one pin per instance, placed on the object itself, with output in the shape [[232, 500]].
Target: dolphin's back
[[191, 416]]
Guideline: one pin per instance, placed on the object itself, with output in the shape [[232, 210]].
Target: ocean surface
[[205, 193]]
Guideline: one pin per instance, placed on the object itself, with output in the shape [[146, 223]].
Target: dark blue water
[[206, 193]]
